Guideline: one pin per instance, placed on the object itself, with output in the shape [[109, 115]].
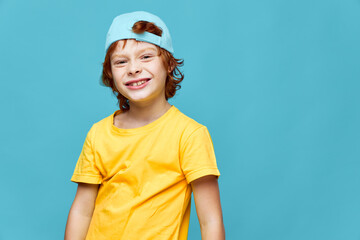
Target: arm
[[81, 212], [208, 207]]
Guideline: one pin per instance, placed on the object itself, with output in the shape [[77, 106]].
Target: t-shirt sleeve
[[86, 170], [197, 155]]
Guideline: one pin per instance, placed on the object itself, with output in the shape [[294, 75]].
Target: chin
[[138, 99]]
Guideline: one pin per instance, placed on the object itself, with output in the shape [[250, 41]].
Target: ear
[[171, 68]]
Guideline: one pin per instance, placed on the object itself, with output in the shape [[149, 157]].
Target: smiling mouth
[[138, 83]]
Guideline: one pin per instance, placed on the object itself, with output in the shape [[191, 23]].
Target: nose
[[134, 68]]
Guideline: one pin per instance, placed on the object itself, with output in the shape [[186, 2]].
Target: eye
[[119, 62], [147, 56]]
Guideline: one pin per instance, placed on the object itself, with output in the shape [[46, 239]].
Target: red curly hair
[[173, 78]]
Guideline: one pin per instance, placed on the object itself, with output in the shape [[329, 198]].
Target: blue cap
[[121, 28]]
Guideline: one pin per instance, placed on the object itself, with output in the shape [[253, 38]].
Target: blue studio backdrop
[[276, 83]]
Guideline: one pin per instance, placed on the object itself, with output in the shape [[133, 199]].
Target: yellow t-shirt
[[144, 175]]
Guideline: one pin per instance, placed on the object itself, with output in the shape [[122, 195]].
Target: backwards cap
[[121, 28]]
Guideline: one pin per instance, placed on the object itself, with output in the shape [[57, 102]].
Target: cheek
[[118, 79], [117, 74], [162, 73], [111, 71]]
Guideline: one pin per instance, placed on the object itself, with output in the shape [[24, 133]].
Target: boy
[[139, 165]]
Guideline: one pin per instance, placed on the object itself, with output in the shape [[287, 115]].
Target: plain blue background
[[276, 82]]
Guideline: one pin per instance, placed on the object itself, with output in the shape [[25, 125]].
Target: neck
[[147, 112]]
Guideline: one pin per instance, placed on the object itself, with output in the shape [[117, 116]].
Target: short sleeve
[[86, 170], [197, 157]]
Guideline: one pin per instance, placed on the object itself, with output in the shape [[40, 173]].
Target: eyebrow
[[140, 51]]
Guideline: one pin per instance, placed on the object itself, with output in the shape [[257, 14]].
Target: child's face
[[138, 71]]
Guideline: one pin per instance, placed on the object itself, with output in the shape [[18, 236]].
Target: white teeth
[[137, 83]]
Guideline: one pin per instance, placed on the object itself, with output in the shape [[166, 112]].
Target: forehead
[[131, 46]]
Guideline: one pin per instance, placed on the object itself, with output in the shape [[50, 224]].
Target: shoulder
[[105, 121], [186, 122], [100, 125], [189, 127]]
